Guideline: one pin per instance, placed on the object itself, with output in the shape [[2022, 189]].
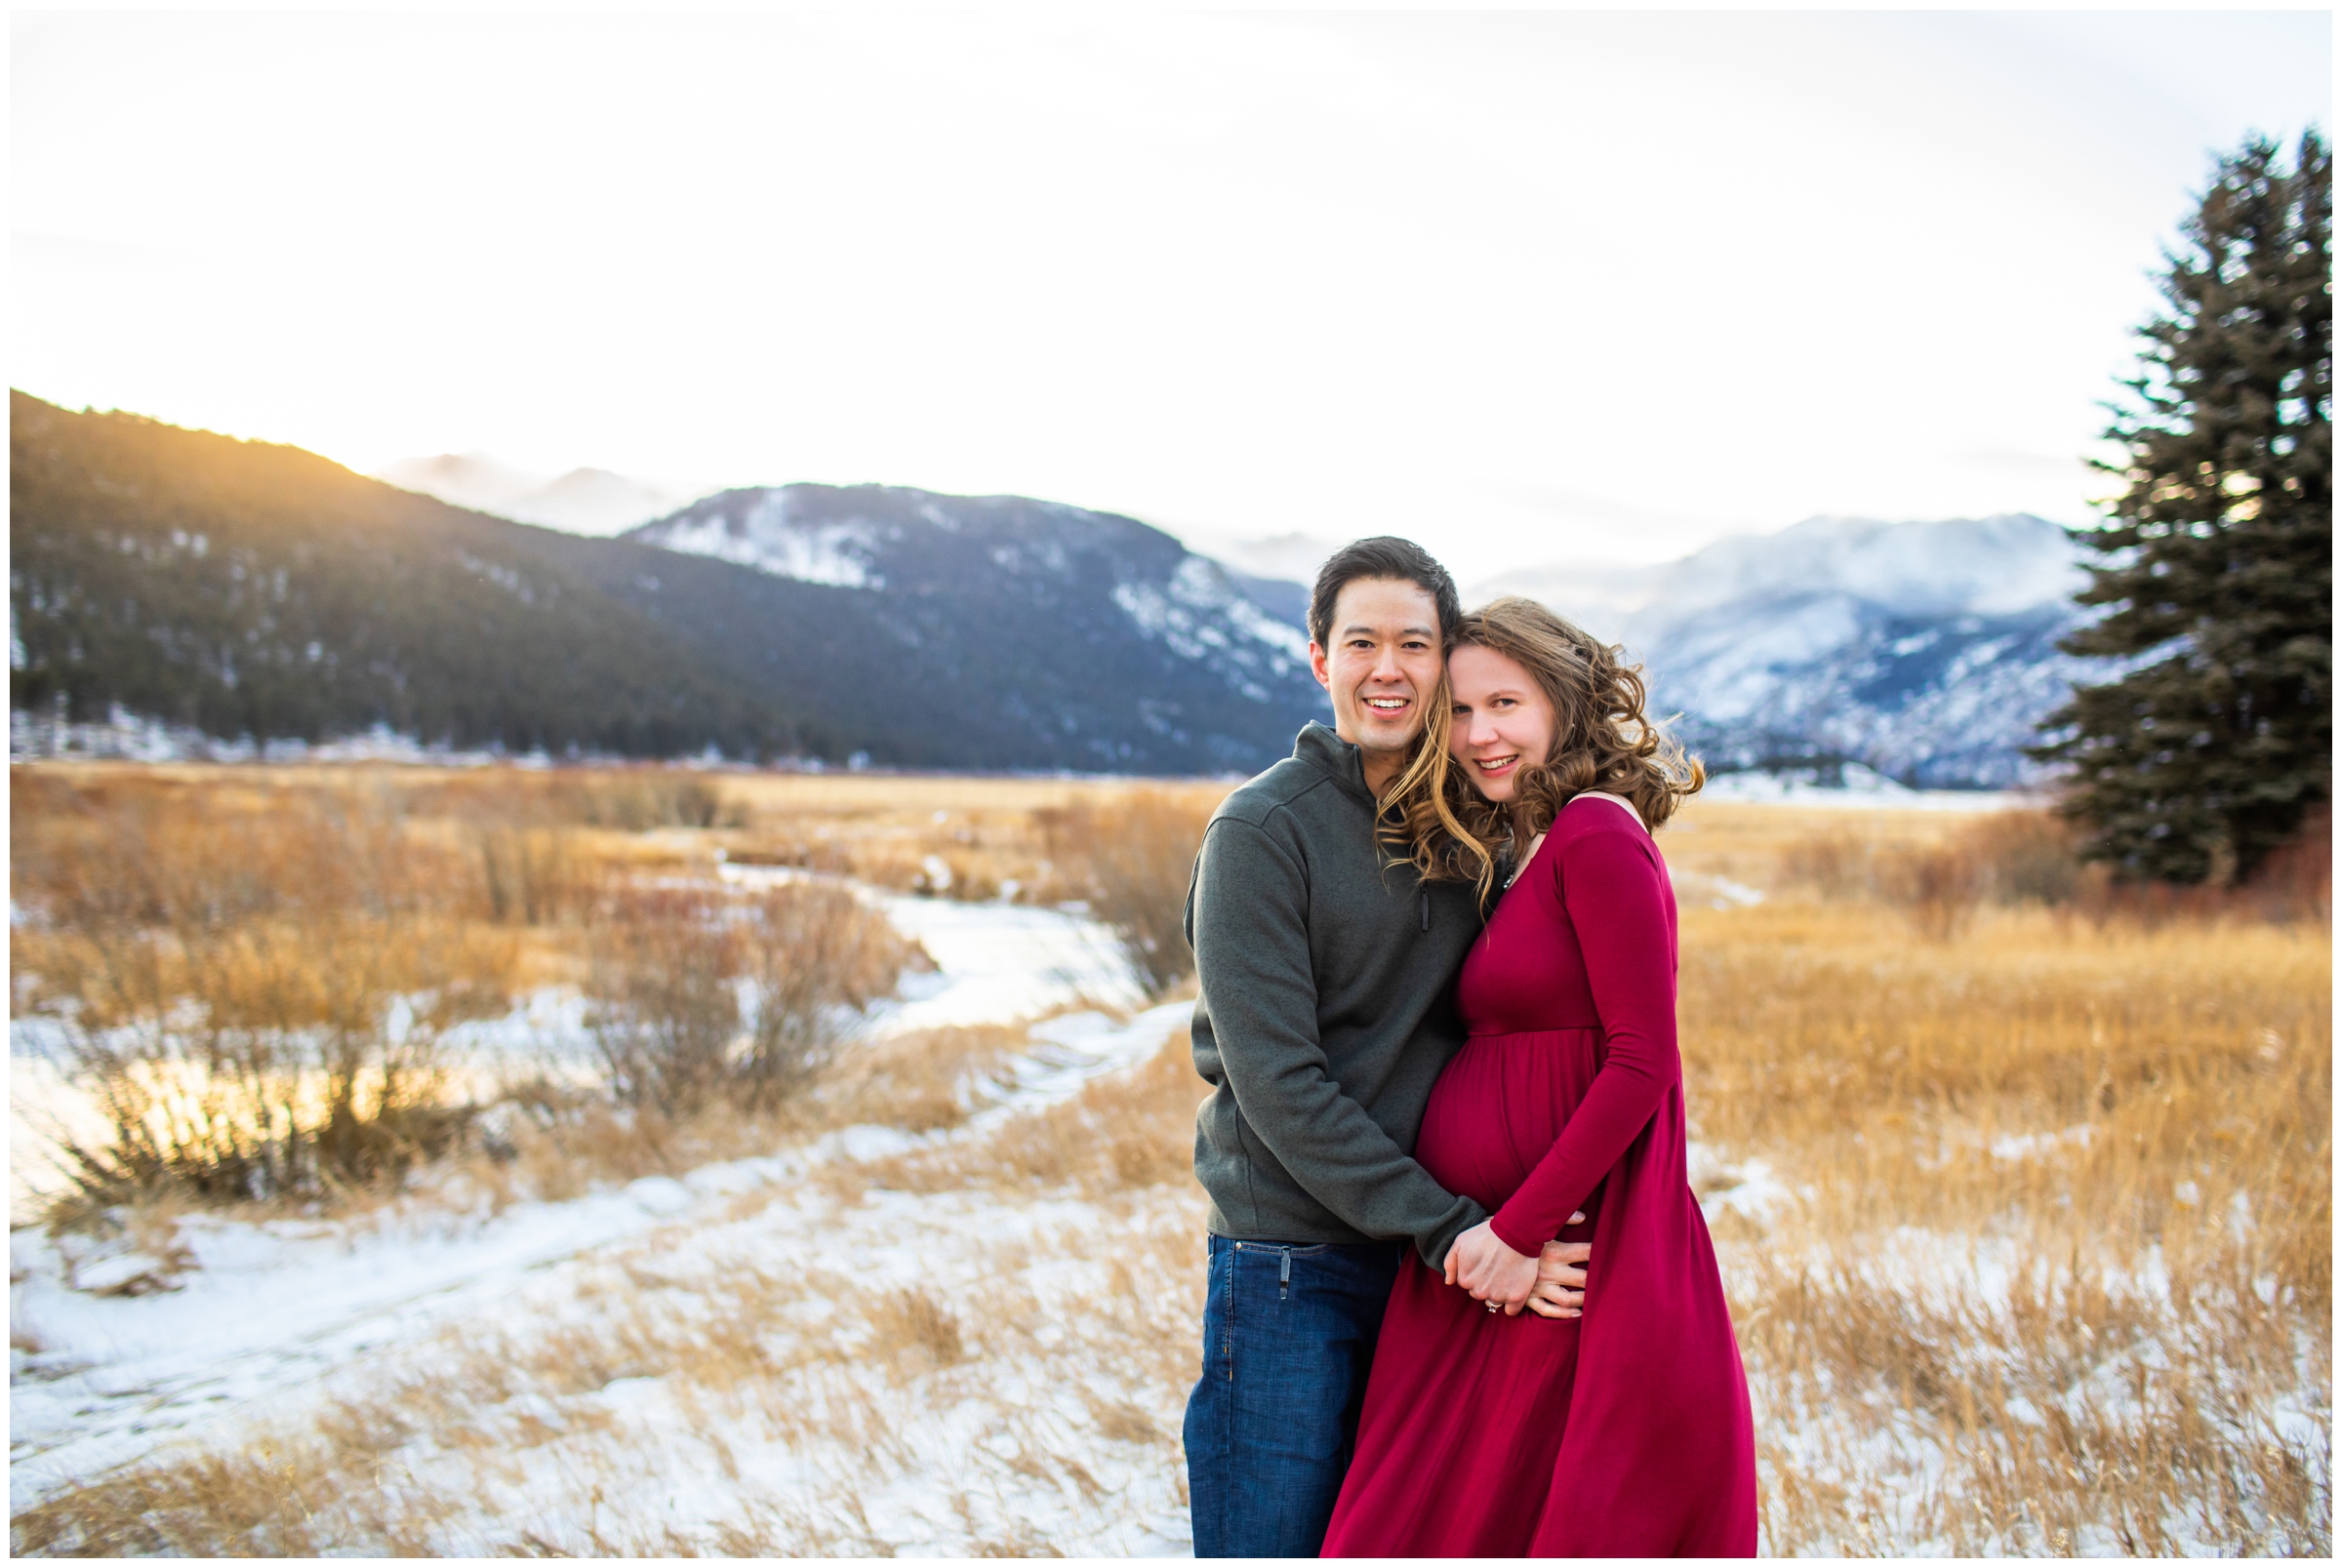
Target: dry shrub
[[255, 969], [926, 866], [2022, 856], [2033, 857], [1132, 858], [666, 967], [1937, 887], [2296, 882], [530, 832], [814, 952], [2294, 885], [968, 839], [530, 877], [252, 999], [1835, 863], [630, 799], [548, 1140], [665, 1012], [521, 831], [636, 799]]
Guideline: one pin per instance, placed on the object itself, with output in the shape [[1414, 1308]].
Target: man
[[1326, 1014]]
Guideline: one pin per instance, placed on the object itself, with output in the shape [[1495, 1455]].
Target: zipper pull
[[1426, 911]]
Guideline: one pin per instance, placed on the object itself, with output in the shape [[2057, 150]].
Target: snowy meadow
[[639, 1161]]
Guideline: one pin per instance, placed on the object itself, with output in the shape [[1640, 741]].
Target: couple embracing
[[1462, 1302]]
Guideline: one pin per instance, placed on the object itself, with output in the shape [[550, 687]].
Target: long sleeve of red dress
[[1611, 882]]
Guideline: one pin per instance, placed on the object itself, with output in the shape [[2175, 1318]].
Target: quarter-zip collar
[[1322, 749]]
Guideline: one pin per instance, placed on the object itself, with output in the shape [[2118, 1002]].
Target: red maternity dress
[[1624, 1433]]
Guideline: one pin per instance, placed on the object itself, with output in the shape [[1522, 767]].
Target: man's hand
[[1491, 1270], [1561, 1278]]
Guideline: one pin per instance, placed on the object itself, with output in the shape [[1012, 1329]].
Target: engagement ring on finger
[[1492, 1307]]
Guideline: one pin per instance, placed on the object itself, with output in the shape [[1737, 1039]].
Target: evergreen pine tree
[[2219, 554]]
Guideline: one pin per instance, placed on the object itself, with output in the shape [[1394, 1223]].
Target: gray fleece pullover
[[1327, 1012]]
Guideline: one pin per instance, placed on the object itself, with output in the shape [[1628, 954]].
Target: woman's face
[[1502, 720]]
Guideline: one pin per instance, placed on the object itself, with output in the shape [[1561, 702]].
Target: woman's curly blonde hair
[[1603, 740]]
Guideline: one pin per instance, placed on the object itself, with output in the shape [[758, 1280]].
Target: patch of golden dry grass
[[988, 833], [1125, 1132], [2059, 1254]]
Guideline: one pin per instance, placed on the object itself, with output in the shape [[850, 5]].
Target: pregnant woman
[[1623, 1432]]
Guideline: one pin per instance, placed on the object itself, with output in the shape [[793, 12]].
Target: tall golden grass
[[1131, 858], [2059, 1245], [225, 984]]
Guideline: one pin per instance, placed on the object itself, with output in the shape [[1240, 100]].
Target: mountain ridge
[[256, 590], [1925, 651]]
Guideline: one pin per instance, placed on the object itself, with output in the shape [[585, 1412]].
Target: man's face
[[1383, 667]]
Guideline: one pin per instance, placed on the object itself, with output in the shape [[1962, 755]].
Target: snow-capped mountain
[[583, 501], [1926, 651], [1072, 617]]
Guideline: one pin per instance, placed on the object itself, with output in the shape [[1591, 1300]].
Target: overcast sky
[[1528, 286]]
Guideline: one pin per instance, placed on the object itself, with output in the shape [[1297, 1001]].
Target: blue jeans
[[1288, 1334]]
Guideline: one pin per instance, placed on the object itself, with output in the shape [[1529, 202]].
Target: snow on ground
[[1863, 789], [996, 963], [578, 1452], [263, 1317], [1717, 892]]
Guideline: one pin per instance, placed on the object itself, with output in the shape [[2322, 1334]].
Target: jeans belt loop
[[1284, 1270]]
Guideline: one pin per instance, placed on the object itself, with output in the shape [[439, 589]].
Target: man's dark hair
[[1397, 560]]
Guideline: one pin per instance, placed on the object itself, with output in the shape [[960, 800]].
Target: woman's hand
[[1561, 1280], [1491, 1270]]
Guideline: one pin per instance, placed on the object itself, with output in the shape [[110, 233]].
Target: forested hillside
[[987, 630], [254, 589]]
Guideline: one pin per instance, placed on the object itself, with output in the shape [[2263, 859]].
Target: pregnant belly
[[1498, 1108]]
